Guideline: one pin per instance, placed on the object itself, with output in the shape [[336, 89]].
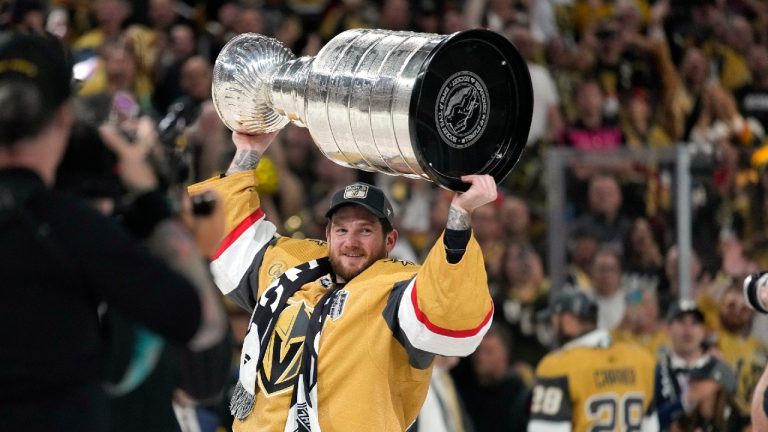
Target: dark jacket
[[58, 260]]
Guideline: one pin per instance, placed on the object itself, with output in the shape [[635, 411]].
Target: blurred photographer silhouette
[[61, 259]]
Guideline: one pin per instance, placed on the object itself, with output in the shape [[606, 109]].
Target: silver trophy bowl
[[427, 106]]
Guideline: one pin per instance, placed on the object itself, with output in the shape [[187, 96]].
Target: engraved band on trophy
[[420, 105]]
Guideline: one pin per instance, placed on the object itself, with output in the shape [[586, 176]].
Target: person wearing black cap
[[59, 259], [341, 337], [690, 381], [591, 382]]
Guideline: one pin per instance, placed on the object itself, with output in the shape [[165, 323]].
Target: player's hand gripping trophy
[[428, 106]]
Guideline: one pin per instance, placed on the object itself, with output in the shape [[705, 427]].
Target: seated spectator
[[607, 288], [669, 286], [642, 254], [743, 352], [486, 226], [691, 384], [620, 62], [251, 20], [118, 71], [694, 76], [753, 98], [720, 124], [395, 15], [495, 397], [520, 294], [162, 15], [591, 130], [221, 28], [345, 15], [728, 48], [453, 21], [641, 324], [638, 123], [168, 82], [604, 212], [110, 17], [583, 244], [547, 121], [515, 215]]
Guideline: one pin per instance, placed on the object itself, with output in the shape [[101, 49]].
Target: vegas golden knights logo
[[282, 359]]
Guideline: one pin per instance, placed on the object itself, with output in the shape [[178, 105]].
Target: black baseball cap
[[682, 307], [573, 301], [39, 59], [362, 194]]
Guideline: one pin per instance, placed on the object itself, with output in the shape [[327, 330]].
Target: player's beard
[[346, 272]]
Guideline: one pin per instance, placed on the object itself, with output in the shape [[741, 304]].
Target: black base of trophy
[[471, 108]]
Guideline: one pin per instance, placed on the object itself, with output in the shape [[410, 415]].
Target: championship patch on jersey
[[337, 306], [356, 191]]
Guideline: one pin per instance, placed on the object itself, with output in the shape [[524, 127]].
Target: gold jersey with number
[[593, 384], [384, 326]]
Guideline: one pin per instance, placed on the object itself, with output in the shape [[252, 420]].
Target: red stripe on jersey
[[443, 331], [239, 229]]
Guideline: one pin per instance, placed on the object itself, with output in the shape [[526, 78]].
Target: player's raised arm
[[446, 309], [237, 263]]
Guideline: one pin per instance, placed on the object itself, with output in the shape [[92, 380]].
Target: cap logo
[[356, 191], [21, 66]]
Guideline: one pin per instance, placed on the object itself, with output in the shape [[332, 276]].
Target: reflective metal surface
[[242, 78], [354, 96], [358, 97]]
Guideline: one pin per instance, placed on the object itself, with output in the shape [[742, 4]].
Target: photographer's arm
[[150, 217]]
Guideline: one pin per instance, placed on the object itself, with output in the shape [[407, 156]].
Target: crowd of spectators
[[606, 74]]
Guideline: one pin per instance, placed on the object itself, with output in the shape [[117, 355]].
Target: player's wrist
[[458, 218]]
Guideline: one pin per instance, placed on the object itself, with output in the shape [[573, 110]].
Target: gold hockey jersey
[[376, 347], [593, 384], [747, 356]]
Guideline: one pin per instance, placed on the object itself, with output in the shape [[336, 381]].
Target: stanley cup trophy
[[427, 106]]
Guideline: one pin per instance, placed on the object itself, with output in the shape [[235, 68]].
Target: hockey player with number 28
[[591, 384], [341, 337]]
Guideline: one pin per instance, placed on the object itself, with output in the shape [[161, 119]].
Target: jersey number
[[605, 410], [546, 400]]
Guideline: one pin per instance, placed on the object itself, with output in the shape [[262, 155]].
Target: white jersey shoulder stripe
[[238, 251], [429, 337]]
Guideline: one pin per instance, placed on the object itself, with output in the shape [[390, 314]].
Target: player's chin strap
[[265, 315]]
